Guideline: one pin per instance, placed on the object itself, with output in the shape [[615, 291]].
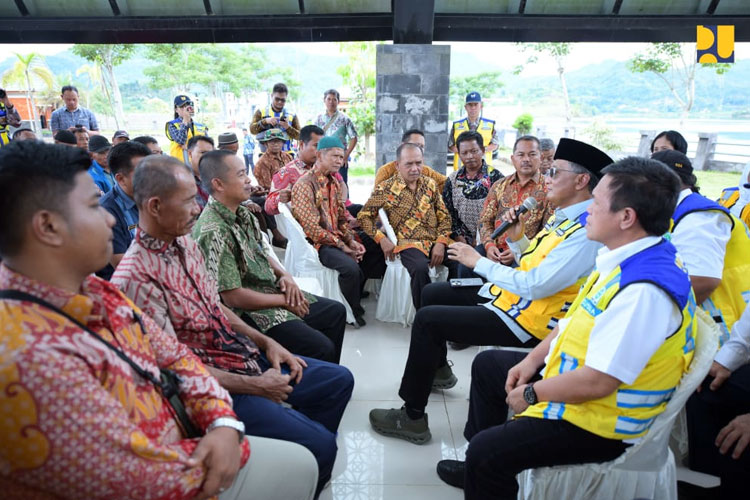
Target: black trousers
[[707, 413], [448, 314], [418, 265], [464, 272], [263, 217], [318, 335], [500, 449], [352, 274]]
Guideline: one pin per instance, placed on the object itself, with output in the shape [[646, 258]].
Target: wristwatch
[[529, 395], [228, 422]]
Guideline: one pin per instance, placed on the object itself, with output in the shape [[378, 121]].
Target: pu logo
[[715, 44]]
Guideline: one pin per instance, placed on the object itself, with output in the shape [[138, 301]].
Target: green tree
[[523, 123], [30, 71], [487, 83], [602, 136], [359, 75], [107, 57], [559, 52], [675, 64]]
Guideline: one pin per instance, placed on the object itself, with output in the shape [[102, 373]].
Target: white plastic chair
[[646, 469], [309, 284], [395, 302], [301, 260]]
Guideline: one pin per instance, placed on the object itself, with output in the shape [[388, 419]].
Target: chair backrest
[[651, 452], [387, 228], [300, 256]]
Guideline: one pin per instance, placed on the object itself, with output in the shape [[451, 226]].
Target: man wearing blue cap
[[180, 130], [474, 121]]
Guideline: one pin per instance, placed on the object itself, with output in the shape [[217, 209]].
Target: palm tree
[[30, 69]]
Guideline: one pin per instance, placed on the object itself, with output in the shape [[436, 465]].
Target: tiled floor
[[370, 466]]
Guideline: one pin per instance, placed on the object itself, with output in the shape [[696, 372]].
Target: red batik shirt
[[75, 420], [170, 283]]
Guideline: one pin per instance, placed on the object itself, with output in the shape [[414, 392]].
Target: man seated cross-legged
[[609, 367], [524, 304], [85, 408], [164, 273], [250, 282]]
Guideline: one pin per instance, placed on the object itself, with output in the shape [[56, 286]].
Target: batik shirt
[[317, 206], [75, 420], [285, 179], [419, 218], [169, 282], [268, 165], [231, 245], [510, 193], [464, 199], [339, 125]]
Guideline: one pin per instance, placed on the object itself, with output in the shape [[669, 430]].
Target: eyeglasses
[[554, 170], [189, 103]]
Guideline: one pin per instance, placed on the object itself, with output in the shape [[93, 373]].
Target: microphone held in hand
[[528, 204]]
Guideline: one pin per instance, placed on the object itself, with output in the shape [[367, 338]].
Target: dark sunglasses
[[552, 171]]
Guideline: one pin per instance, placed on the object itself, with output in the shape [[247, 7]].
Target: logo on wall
[[715, 44]]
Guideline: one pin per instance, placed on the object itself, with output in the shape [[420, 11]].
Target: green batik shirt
[[235, 258]]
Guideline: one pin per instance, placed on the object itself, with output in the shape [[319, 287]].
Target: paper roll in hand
[[528, 204]]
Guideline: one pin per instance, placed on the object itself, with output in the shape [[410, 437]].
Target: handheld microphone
[[528, 204]]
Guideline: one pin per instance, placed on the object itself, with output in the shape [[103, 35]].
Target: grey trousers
[[277, 470]]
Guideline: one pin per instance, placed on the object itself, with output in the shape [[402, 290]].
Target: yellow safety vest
[[180, 151], [729, 299], [270, 113], [539, 317], [486, 128], [729, 198], [630, 410]]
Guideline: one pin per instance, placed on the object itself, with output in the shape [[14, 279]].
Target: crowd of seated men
[[148, 332]]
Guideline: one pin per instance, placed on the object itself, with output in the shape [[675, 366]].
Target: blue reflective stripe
[[589, 303], [515, 310], [554, 411], [589, 307], [718, 318], [567, 363], [632, 426], [631, 398]]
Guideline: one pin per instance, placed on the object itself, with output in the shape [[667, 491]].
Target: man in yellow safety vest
[[474, 121]]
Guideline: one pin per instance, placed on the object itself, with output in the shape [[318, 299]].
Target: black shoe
[[360, 320], [688, 491], [365, 294], [452, 472], [457, 346]]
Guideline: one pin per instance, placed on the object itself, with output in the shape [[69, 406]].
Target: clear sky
[[512, 56]]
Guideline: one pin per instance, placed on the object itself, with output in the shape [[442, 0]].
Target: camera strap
[[167, 385]]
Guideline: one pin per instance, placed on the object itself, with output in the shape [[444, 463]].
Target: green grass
[[711, 183], [362, 171]]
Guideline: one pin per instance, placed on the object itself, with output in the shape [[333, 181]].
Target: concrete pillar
[[644, 146], [705, 151], [412, 92]]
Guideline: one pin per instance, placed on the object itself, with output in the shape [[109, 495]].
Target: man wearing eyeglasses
[[276, 116], [180, 130], [525, 303]]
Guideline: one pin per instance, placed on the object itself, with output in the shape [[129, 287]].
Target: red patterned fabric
[[285, 179], [170, 283], [75, 420]]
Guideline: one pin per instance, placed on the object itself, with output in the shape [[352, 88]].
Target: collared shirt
[[62, 119], [473, 126], [634, 325], [419, 218], [701, 238], [77, 421], [317, 206], [178, 132], [284, 179], [169, 282], [390, 169], [201, 197], [231, 245], [464, 199], [569, 261], [267, 165], [736, 351], [339, 125], [509, 193], [103, 179], [125, 212]]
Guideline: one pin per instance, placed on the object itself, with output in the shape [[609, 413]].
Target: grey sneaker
[[444, 378], [396, 423]]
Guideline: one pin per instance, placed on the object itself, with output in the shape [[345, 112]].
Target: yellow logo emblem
[[715, 44]]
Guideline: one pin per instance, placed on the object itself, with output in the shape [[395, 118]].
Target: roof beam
[[413, 22], [712, 7], [22, 8], [115, 7], [616, 7], [207, 6], [301, 6]]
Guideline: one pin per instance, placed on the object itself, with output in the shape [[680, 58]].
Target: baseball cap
[[271, 134], [120, 133], [674, 160], [182, 100], [473, 97], [99, 144]]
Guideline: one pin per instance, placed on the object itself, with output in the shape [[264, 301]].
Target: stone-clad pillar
[[412, 92]]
